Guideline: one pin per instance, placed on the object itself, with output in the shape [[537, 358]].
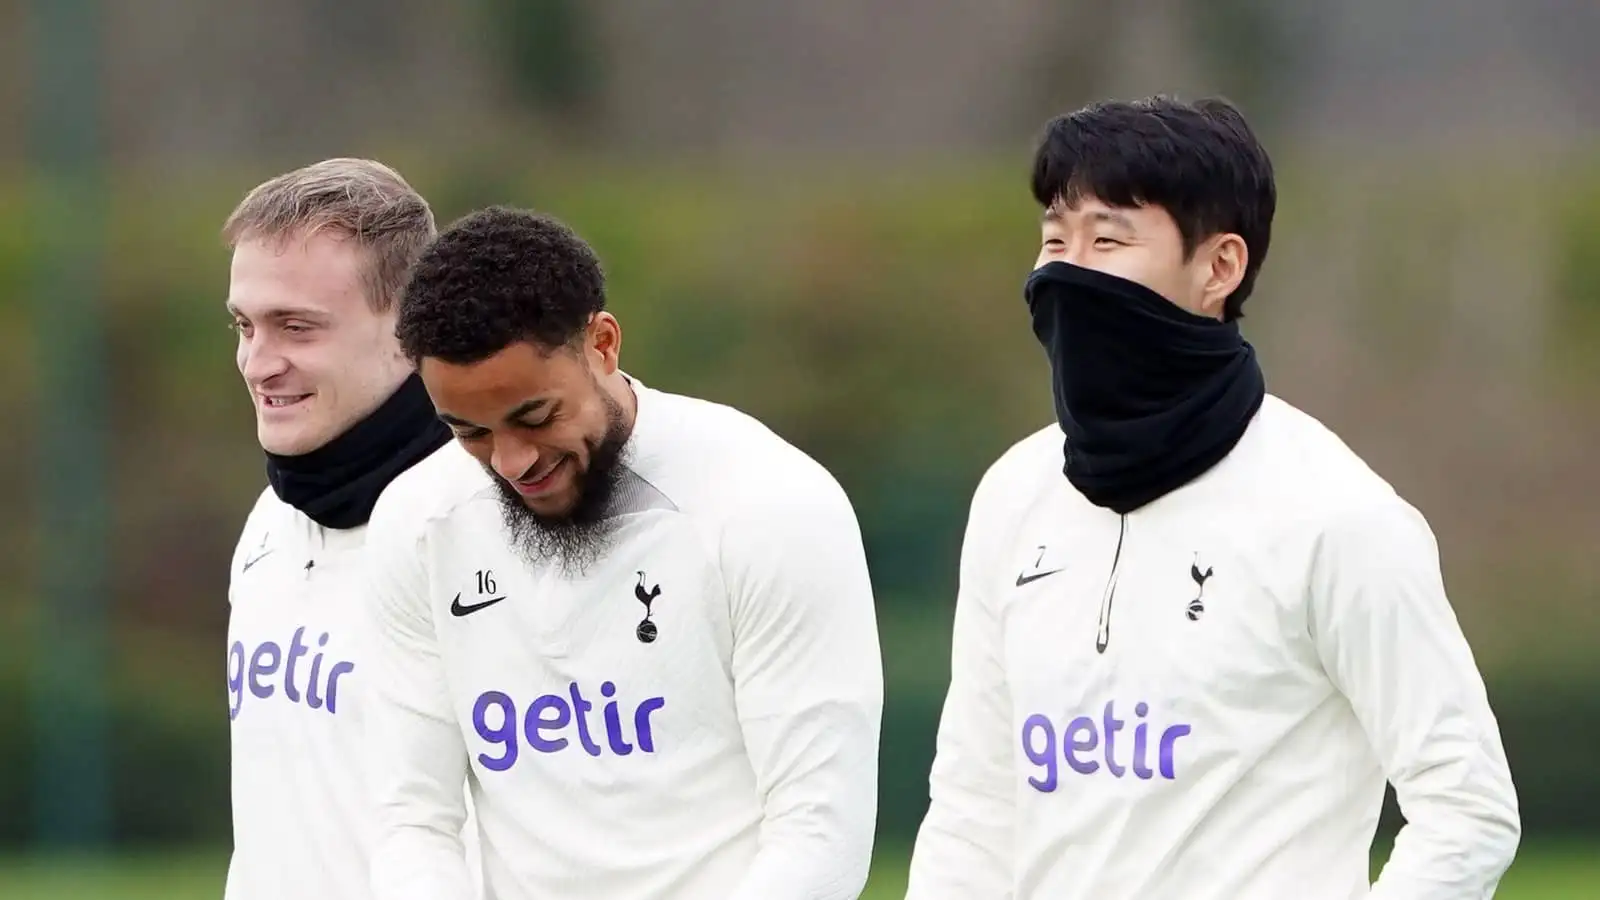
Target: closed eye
[[293, 327]]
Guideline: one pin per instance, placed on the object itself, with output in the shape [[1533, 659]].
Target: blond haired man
[[320, 255]]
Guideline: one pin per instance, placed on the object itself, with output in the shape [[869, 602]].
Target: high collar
[[337, 484], [1148, 395]]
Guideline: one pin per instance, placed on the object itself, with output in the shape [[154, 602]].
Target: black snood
[[1150, 396]]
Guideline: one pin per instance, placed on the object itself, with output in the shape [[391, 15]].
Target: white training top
[[1201, 700], [303, 816], [732, 756]]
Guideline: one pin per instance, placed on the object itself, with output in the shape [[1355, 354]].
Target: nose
[[260, 361], [512, 457]]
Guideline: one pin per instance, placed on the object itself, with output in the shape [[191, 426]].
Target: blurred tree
[[876, 320], [1243, 49], [1577, 272], [1069, 61], [1251, 50], [550, 54]]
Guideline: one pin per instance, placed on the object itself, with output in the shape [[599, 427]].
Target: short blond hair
[[360, 199]]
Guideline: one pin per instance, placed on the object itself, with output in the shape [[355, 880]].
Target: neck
[[621, 390], [1122, 461]]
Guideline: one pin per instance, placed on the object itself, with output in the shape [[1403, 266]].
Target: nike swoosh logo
[[457, 608], [1026, 579], [253, 560]]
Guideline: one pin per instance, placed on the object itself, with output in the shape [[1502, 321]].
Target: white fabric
[[298, 677], [1232, 740], [735, 756]]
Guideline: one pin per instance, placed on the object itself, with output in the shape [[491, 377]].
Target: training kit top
[[1202, 699], [298, 673], [694, 716]]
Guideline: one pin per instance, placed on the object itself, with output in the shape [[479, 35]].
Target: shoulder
[[1029, 469], [256, 531], [262, 512], [1308, 465], [1376, 531], [756, 499], [268, 515], [717, 462], [1317, 489], [428, 492]]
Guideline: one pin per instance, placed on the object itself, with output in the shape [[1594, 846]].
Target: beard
[[574, 540]]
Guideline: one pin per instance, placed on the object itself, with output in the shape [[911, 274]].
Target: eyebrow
[[1112, 218], [1109, 217], [522, 409], [280, 312]]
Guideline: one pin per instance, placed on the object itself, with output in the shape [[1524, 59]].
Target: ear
[[1226, 260], [605, 342]]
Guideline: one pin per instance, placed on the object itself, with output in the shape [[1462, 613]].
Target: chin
[[284, 439], [549, 508]]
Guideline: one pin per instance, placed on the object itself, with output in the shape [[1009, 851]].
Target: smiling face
[[540, 419], [315, 355], [1144, 245], [549, 426], [1178, 197]]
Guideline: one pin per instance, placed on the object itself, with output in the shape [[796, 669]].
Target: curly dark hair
[[1198, 161], [494, 278]]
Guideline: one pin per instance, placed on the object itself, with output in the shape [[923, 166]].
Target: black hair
[[494, 278], [1200, 162]]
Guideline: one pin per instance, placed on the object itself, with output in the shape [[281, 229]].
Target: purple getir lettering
[[1089, 744], [266, 670], [553, 722]]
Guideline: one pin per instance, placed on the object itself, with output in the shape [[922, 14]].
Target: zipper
[[1103, 635]]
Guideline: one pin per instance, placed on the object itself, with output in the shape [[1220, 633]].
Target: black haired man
[[1186, 669]]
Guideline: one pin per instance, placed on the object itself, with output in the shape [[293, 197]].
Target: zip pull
[[1103, 635]]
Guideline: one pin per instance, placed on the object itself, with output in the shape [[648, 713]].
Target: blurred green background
[[820, 218]]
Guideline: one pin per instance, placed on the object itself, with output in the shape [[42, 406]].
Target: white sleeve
[[808, 683], [1391, 644], [964, 846], [415, 754]]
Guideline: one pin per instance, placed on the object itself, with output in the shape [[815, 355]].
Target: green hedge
[[876, 321]]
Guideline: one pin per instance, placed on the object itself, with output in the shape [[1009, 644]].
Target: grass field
[[1544, 872]]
